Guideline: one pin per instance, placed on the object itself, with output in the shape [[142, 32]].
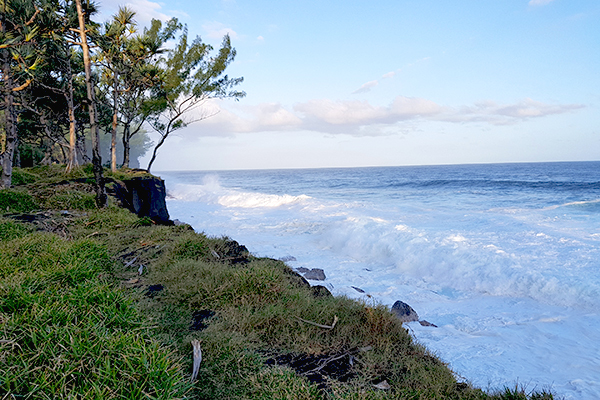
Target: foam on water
[[212, 192], [511, 278]]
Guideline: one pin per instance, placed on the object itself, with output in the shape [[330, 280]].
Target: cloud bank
[[360, 118]]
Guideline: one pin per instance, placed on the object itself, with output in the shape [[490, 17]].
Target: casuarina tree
[[191, 76]]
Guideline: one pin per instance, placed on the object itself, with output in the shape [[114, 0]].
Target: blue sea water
[[503, 258]]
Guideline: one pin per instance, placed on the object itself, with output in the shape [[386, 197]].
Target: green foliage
[[22, 177], [14, 201], [190, 76], [192, 249], [30, 155]]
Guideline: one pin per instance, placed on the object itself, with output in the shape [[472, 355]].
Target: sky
[[391, 82]]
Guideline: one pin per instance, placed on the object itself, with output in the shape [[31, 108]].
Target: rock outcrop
[[315, 274], [404, 312], [145, 196]]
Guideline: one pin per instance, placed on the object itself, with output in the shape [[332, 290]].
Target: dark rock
[[315, 274], [198, 318], [153, 290], [287, 258], [295, 278], [404, 312], [235, 250], [359, 290], [427, 323], [144, 196], [302, 270], [318, 369], [320, 291]]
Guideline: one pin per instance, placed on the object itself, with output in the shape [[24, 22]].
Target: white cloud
[[539, 2], [145, 10], [216, 30], [360, 118], [366, 87], [228, 119], [504, 114], [340, 112], [389, 75]]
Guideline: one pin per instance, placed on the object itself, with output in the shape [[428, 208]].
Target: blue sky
[[357, 83]]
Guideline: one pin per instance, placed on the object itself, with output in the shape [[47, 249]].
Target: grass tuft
[[16, 201]]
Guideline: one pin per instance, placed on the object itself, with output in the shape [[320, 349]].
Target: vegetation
[[98, 303], [101, 78]]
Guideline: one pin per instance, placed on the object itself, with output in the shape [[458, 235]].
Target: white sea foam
[[210, 191], [258, 200], [514, 290]]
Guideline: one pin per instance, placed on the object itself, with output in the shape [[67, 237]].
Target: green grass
[[68, 331], [76, 320], [16, 201]]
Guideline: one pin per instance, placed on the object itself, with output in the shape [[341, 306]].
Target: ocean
[[503, 258]]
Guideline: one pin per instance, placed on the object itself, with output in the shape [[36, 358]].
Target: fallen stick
[[197, 358], [96, 234], [335, 320]]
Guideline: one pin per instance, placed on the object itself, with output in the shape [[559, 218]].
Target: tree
[[190, 78], [19, 57], [116, 60], [143, 74], [101, 197]]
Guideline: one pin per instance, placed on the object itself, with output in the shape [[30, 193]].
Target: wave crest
[[211, 192]]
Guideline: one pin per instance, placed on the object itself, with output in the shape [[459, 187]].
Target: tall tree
[[143, 74], [19, 57], [190, 78], [101, 197], [116, 60], [57, 76]]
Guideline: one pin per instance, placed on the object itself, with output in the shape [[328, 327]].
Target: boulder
[[404, 312], [315, 274]]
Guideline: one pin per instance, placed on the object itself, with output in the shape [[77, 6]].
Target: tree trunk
[[96, 159], [17, 151], [73, 160], [155, 152], [10, 124], [126, 145], [81, 145], [113, 141]]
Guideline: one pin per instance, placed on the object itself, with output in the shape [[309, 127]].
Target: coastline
[[175, 277]]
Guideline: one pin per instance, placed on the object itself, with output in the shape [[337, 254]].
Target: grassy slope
[[77, 318]]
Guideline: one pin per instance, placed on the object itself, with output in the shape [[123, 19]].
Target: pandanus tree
[[20, 49], [117, 63], [52, 97]]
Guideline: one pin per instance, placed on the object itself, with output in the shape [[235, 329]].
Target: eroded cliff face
[[145, 196]]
